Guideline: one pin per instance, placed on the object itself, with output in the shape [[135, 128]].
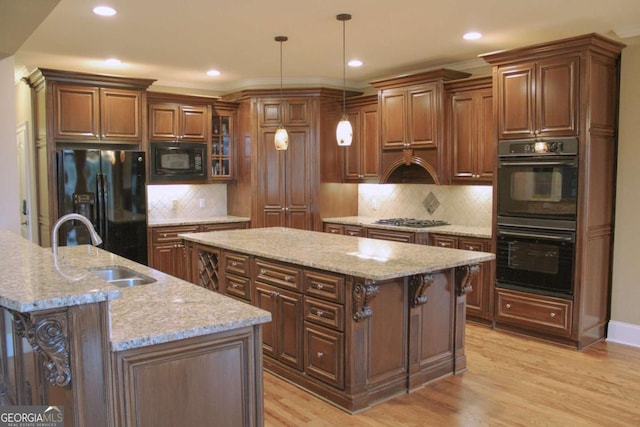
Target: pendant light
[[281, 138], [344, 131]]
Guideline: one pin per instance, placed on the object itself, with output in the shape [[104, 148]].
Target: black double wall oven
[[537, 192]]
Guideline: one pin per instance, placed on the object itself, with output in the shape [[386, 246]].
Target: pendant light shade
[[344, 131], [281, 139]]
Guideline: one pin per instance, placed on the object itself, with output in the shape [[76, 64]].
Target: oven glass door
[[538, 188], [535, 261]]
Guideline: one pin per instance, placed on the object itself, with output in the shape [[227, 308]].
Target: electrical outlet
[[174, 204], [203, 203]]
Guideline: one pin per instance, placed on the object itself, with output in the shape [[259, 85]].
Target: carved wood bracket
[[464, 274], [418, 286], [363, 294], [48, 335]]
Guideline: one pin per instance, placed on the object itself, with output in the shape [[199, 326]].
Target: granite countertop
[[166, 310], [357, 256], [454, 230], [190, 221]]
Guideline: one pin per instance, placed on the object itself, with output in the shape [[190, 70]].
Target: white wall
[[9, 182]]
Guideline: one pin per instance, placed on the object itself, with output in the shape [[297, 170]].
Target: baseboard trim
[[624, 333]]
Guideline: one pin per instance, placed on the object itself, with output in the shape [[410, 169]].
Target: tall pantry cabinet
[[568, 87], [284, 188]]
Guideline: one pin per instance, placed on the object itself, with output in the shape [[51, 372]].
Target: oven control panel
[[538, 147]]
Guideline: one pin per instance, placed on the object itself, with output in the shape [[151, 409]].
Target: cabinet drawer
[[334, 228], [324, 313], [473, 245], [224, 226], [238, 286], [544, 313], [236, 263], [444, 241], [170, 234], [395, 236], [324, 354], [352, 230], [278, 274], [323, 285]]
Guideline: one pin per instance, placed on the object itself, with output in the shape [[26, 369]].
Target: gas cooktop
[[411, 222]]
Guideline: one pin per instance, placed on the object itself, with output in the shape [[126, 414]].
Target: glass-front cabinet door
[[221, 146]]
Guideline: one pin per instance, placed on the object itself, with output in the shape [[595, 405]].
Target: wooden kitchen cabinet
[[349, 230], [530, 311], [287, 188], [471, 148], [93, 113], [222, 142], [395, 236], [539, 98], [179, 122], [479, 300], [362, 157], [167, 251]]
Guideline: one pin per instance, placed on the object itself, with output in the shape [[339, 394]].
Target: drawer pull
[[508, 306], [470, 248], [319, 313], [320, 354], [288, 278], [553, 315], [235, 285], [275, 293], [263, 271], [319, 286], [164, 234], [442, 244], [234, 264], [334, 231]]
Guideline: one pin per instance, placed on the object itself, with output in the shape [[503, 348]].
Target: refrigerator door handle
[[101, 221]]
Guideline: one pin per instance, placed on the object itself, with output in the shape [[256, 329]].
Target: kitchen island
[[160, 354], [354, 320]]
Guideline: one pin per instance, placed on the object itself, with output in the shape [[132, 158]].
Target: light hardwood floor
[[511, 381]]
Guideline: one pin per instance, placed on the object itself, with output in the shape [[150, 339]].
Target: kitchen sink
[[121, 276]]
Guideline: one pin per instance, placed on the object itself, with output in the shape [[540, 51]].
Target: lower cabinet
[[544, 314], [479, 300], [349, 230], [167, 251], [323, 354]]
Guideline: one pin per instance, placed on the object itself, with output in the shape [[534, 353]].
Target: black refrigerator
[[108, 187]]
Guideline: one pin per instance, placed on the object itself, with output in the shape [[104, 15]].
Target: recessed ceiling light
[[104, 10], [354, 63], [472, 35], [113, 62], [213, 73]]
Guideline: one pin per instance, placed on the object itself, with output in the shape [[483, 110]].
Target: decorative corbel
[[464, 274], [418, 285], [48, 335], [363, 293]]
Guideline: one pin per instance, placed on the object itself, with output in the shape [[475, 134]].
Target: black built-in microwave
[[178, 162]]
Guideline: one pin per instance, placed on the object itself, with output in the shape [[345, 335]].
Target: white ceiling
[[175, 42]]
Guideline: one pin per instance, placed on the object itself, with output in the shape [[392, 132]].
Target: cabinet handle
[[263, 271], [164, 234], [233, 264], [353, 233], [442, 244], [319, 313], [288, 278], [275, 293], [235, 285], [319, 286], [320, 354], [334, 231], [471, 248], [553, 315], [508, 306]]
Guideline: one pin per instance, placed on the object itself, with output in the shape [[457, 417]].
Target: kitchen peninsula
[[160, 354], [354, 320]]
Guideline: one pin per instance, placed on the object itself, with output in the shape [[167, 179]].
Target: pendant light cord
[[344, 70]]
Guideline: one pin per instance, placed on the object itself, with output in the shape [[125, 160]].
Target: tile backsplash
[[184, 201], [457, 204]]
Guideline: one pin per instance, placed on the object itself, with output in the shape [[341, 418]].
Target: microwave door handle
[[537, 235], [540, 163]]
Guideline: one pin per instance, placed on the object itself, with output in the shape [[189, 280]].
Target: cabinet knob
[[263, 271], [164, 235], [553, 315], [319, 313], [288, 278], [508, 306], [319, 286], [320, 354]]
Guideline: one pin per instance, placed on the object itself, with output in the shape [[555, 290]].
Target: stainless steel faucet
[[95, 239]]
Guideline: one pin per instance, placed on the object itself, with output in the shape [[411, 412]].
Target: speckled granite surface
[[356, 256], [33, 279], [166, 310], [189, 221], [455, 230]]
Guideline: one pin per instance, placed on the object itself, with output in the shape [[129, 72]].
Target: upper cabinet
[[471, 147], [222, 141], [539, 99], [362, 157], [178, 122], [92, 113]]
